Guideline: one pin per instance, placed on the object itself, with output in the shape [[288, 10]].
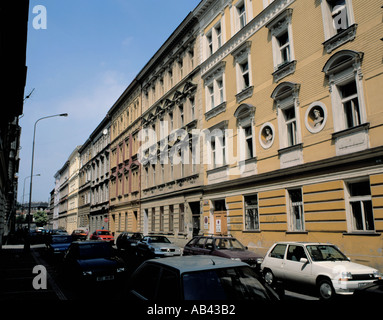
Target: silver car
[[157, 246]]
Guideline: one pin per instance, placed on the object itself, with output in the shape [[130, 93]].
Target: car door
[[276, 259], [295, 269]]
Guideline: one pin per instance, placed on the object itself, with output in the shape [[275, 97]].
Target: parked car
[[373, 291], [58, 244], [79, 234], [156, 247], [104, 235], [318, 265], [197, 278], [92, 261], [128, 241], [227, 247]]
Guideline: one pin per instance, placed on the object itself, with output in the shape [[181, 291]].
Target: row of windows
[[158, 217], [360, 214], [337, 16]]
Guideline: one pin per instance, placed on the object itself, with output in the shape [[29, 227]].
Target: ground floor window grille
[[296, 210], [251, 213]]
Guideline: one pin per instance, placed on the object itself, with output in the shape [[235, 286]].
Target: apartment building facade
[[84, 192], [260, 119], [63, 190], [292, 88], [73, 188]]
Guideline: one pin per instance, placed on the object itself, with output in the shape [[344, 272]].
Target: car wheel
[[268, 276], [325, 289]]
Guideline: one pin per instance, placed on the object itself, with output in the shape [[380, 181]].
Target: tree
[[40, 218]]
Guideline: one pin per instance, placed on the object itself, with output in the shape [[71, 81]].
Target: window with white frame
[[285, 96], [337, 17], [282, 39], [214, 39], [295, 207], [345, 79], [217, 144], [215, 93], [361, 216], [245, 121], [241, 14], [291, 125], [244, 74], [251, 213]]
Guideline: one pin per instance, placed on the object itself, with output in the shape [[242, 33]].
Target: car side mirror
[[303, 260]]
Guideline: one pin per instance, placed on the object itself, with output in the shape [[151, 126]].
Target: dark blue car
[[58, 244]]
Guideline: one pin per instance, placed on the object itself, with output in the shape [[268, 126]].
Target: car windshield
[[325, 253], [95, 250], [103, 233], [158, 239], [229, 244], [61, 239], [238, 283]]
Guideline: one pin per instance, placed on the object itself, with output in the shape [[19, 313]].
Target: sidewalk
[[16, 275]]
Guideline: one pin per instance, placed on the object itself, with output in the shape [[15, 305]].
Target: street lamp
[[36, 175], [27, 244]]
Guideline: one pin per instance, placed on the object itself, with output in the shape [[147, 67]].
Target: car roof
[[305, 243], [197, 263]]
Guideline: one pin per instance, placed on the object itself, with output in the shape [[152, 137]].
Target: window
[[337, 16], [213, 39], [192, 108], [349, 98], [217, 143], [296, 210], [215, 93], [153, 219], [251, 213], [161, 218], [278, 251], [171, 217], [182, 218], [245, 121], [284, 48], [249, 142], [345, 79], [181, 110], [282, 45], [145, 282], [244, 75], [285, 96], [295, 253], [241, 12], [360, 206], [291, 126]]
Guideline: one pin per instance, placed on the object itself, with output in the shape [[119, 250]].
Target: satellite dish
[[105, 131]]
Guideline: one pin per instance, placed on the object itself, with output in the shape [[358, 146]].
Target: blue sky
[[80, 64]]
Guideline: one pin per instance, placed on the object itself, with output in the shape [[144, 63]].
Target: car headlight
[[238, 259], [121, 269], [345, 276], [377, 274], [87, 273], [259, 260]]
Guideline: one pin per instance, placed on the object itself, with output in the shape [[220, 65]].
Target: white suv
[[316, 264]]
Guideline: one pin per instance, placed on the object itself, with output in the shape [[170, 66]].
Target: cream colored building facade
[[294, 88], [73, 189], [124, 185]]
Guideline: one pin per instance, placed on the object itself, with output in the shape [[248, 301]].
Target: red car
[[105, 235]]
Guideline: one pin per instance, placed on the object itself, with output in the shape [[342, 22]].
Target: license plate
[[362, 284], [105, 278]]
